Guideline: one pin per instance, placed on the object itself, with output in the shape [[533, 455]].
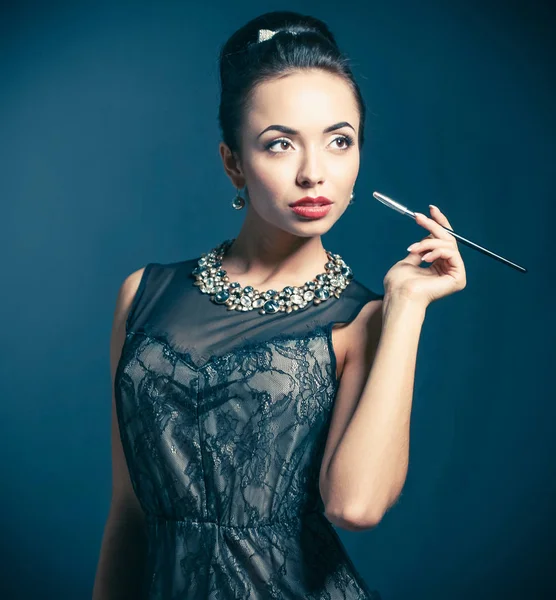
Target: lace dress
[[223, 419]]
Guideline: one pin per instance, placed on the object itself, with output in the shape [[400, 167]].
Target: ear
[[232, 165]]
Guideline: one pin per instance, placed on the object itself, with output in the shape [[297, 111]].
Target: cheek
[[267, 175], [270, 174], [342, 174]]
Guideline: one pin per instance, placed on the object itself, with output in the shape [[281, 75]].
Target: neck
[[261, 255]]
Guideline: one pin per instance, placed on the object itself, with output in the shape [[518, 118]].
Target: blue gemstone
[[322, 294], [271, 306], [221, 296], [347, 273]]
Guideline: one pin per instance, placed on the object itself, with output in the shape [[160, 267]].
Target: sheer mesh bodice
[[223, 419]]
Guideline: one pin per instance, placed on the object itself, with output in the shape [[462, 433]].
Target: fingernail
[[433, 206]]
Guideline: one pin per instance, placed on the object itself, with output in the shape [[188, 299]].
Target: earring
[[238, 202], [351, 201]]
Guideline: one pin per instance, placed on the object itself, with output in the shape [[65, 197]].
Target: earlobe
[[232, 165]]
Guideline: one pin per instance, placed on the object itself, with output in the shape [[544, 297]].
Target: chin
[[314, 227]]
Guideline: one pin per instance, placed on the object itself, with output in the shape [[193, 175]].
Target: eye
[[274, 143], [347, 140]]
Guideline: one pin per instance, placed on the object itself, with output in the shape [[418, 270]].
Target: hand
[[444, 276]]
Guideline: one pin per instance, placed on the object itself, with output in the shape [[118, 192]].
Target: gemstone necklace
[[212, 279]]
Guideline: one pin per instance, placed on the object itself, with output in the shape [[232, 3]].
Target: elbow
[[354, 519], [359, 514]]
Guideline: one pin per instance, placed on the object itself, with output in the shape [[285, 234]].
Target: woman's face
[[315, 154]]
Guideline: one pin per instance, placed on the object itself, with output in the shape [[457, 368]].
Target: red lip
[[311, 201]]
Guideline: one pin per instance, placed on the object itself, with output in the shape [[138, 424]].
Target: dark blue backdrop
[[109, 160]]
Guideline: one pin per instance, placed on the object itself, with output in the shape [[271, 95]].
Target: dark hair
[[300, 42]]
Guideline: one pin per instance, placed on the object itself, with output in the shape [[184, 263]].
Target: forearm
[[369, 466], [121, 565]]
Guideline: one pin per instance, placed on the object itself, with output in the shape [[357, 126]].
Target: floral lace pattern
[[224, 456]]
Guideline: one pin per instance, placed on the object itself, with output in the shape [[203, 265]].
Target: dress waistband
[[268, 523]]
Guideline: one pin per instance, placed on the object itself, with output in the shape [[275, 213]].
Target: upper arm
[[364, 335], [123, 495]]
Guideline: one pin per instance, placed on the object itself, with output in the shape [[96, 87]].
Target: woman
[[261, 392]]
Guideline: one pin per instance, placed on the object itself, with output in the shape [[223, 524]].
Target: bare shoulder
[[362, 332], [126, 293], [360, 339], [124, 499], [368, 314], [366, 327]]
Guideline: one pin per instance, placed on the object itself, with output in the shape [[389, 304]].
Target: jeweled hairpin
[[266, 34]]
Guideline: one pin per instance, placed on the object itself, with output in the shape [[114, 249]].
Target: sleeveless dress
[[223, 419]]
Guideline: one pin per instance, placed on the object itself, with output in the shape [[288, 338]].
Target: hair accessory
[[213, 280], [266, 34]]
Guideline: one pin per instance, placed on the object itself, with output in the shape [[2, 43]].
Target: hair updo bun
[[292, 41]]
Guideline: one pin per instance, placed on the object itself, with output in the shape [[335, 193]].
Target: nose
[[311, 169]]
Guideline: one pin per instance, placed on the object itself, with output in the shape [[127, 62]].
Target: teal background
[[109, 160]]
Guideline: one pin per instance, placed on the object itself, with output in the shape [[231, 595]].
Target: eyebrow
[[290, 131]]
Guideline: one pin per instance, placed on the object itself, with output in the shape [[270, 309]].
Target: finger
[[413, 259], [439, 216], [414, 256], [449, 254], [435, 228], [429, 244]]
